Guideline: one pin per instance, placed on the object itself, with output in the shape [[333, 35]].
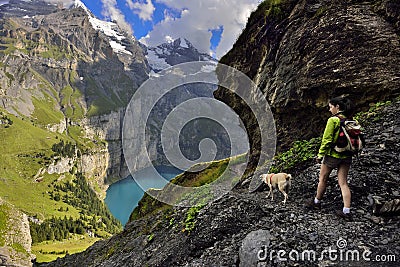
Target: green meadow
[[49, 251], [25, 150]]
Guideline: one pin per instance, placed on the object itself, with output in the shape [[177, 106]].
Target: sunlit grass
[[51, 250]]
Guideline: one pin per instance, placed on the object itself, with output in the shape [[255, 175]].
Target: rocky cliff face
[[15, 240], [26, 8], [107, 127], [302, 53]]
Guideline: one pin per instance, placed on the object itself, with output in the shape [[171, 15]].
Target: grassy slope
[[24, 148], [3, 222], [50, 251], [19, 146], [43, 112], [148, 205]]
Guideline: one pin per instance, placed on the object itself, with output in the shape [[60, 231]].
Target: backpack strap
[[341, 117]]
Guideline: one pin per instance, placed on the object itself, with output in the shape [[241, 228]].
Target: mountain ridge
[[175, 52]]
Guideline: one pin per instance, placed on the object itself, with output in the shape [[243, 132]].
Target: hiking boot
[[310, 204], [375, 204], [346, 216]]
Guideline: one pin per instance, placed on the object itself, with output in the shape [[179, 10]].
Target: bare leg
[[323, 178], [343, 171]]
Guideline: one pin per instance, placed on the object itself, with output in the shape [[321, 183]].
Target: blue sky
[[212, 26]]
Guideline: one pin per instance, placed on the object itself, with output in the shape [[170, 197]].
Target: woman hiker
[[340, 107]]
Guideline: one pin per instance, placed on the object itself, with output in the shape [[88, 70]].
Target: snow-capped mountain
[[117, 37], [161, 57], [173, 53], [31, 9]]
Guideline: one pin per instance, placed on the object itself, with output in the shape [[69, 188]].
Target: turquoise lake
[[123, 196]]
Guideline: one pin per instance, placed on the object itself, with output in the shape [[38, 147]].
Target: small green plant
[[150, 237], [10, 78], [191, 215], [320, 12], [273, 8], [110, 252], [300, 152], [369, 116], [19, 248]]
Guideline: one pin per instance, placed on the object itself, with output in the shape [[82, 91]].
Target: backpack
[[350, 139]]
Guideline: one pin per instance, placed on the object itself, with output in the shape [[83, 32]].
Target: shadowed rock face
[[305, 52]]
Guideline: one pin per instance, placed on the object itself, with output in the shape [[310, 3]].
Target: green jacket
[[330, 136]]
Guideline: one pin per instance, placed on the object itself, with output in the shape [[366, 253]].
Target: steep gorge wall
[[107, 127], [302, 53]]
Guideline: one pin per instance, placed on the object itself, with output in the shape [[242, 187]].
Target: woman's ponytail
[[345, 105]]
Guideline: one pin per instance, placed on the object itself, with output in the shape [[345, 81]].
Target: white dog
[[282, 180]]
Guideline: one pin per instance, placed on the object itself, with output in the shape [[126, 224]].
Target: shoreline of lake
[[123, 196]]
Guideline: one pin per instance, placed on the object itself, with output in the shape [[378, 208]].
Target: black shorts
[[332, 162]]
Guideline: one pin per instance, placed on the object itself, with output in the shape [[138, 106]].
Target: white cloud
[[111, 11], [198, 17], [143, 10]]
